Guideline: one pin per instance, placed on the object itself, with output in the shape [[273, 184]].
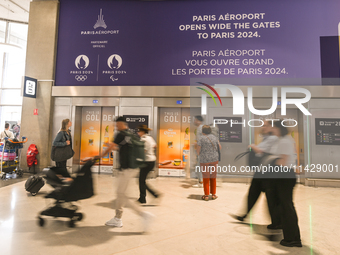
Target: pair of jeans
[[122, 200], [143, 187], [209, 172]]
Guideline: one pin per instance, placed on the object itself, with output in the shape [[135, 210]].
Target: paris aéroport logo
[[100, 21], [100, 26]]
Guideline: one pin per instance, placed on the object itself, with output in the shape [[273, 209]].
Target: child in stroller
[[67, 190]]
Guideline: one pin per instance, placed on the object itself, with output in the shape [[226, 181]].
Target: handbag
[[218, 149], [62, 153]]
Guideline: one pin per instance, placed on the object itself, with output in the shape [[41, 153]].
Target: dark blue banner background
[[154, 50]]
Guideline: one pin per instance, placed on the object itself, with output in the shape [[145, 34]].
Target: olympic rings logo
[[81, 77]]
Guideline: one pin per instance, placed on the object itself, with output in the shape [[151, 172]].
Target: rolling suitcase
[[34, 184]]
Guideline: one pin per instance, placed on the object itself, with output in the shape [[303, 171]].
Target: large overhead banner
[[241, 42]]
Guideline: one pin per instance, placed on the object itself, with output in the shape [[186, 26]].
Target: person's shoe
[[198, 185], [158, 198], [159, 195], [148, 219], [142, 201], [114, 222], [236, 217], [205, 198], [271, 226], [291, 243]]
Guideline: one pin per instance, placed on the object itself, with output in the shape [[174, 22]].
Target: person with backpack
[[149, 163], [128, 145], [6, 133]]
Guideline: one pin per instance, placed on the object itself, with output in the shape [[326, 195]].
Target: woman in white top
[[150, 159], [284, 183]]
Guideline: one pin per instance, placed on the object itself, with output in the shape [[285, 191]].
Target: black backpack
[[137, 153]]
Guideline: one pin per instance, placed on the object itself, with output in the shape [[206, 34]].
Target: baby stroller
[[80, 188]]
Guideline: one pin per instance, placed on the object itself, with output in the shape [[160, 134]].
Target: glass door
[[97, 129], [174, 127]]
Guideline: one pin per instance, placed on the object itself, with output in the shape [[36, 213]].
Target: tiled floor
[[184, 224]]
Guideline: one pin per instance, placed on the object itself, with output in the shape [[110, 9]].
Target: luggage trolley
[[10, 163]]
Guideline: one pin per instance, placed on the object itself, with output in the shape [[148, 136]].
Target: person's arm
[[154, 145], [110, 147], [285, 149], [198, 146], [58, 141], [114, 145], [199, 133], [147, 144], [255, 148], [282, 160], [198, 149]]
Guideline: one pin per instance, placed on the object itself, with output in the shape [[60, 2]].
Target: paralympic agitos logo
[[238, 101]]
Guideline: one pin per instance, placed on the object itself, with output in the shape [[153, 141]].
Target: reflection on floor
[[13, 178], [184, 223]]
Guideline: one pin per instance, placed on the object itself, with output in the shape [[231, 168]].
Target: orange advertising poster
[[170, 148], [107, 133], [90, 132], [185, 134], [176, 128]]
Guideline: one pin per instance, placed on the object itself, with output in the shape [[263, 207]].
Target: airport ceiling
[[14, 10], [18, 10]]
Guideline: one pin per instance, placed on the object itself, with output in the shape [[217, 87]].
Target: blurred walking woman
[[150, 159], [62, 145], [208, 148], [284, 184]]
